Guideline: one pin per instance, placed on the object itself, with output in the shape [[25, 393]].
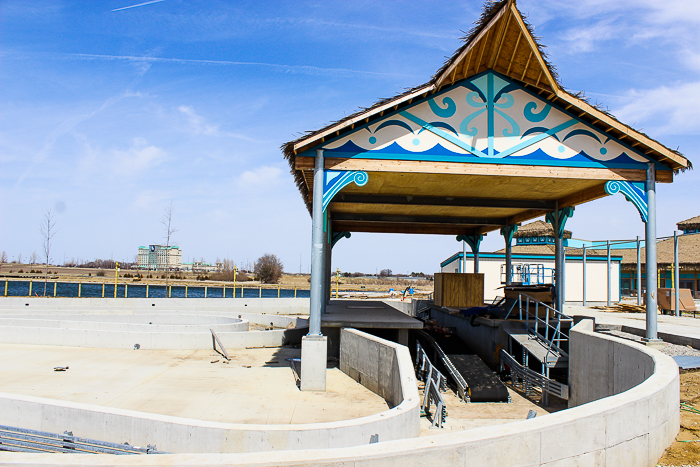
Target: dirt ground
[[686, 449]]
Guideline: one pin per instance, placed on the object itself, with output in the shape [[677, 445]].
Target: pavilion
[[490, 141]]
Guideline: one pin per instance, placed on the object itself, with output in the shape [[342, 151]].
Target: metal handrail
[[434, 383], [531, 378], [557, 335]]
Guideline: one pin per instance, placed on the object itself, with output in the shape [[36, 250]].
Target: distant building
[[533, 263], [159, 258], [201, 267], [688, 260]]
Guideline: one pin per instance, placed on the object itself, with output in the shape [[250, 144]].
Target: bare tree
[[19, 258], [169, 232], [3, 257], [269, 268], [48, 230], [33, 258]]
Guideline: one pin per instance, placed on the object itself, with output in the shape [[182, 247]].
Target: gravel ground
[[670, 349]]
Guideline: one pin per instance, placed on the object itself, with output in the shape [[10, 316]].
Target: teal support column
[[473, 240], [508, 232], [558, 220]]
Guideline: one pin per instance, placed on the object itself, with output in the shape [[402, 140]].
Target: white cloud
[[664, 110], [260, 177], [199, 125], [139, 157], [585, 39]]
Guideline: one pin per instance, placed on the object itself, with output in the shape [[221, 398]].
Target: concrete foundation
[[314, 357]]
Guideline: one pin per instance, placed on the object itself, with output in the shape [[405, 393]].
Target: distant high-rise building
[[159, 258]]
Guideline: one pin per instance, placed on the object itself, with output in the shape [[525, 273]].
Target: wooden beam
[[352, 198], [442, 78], [481, 52], [515, 50], [533, 46], [496, 170], [433, 220], [402, 228], [501, 34], [527, 64]]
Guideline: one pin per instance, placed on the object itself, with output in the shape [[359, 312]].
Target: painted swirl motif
[[612, 187], [536, 117], [360, 178], [439, 111]]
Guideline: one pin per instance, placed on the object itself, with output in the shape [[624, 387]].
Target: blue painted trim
[[564, 215], [537, 139], [490, 118], [508, 231], [658, 165], [483, 160], [431, 128], [520, 256], [337, 236], [340, 180], [635, 193], [472, 240]]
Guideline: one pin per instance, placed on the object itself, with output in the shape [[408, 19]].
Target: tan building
[[159, 258], [688, 259]]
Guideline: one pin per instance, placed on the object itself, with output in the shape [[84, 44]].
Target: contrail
[[140, 4]]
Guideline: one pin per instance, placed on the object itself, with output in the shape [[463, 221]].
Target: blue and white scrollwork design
[[634, 192], [334, 181]]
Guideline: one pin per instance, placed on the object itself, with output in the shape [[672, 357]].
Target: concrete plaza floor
[[256, 386]]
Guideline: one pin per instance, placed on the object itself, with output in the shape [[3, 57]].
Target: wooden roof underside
[[457, 198]]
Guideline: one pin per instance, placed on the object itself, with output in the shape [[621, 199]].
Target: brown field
[[301, 281]]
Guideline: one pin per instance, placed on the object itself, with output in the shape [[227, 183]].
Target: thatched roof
[[538, 229], [689, 224], [523, 60], [688, 252]]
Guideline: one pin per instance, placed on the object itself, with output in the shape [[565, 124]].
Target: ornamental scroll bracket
[[564, 215], [337, 236], [473, 240], [334, 181], [634, 192]]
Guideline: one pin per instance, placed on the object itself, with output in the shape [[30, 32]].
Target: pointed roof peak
[[503, 41]]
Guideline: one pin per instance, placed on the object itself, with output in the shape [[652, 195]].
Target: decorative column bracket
[[508, 231], [635, 192], [335, 180], [337, 236], [564, 215], [472, 240]]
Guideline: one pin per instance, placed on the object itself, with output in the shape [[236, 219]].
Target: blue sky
[[108, 114]]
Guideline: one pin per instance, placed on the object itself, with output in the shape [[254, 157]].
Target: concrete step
[[537, 349]]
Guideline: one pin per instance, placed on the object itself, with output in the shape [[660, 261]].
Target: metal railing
[[462, 386], [24, 440], [530, 379], [435, 383], [551, 324]]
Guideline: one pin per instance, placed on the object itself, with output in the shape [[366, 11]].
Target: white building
[[533, 263], [200, 267], [159, 258]]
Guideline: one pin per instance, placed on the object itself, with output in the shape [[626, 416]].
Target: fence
[[31, 288]]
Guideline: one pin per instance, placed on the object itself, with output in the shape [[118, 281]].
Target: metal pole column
[[464, 256], [651, 264], [608, 276], [584, 275], [318, 243], [509, 261], [676, 273], [314, 346], [558, 266], [327, 269], [639, 272]]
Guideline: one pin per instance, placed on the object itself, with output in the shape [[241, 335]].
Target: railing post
[[260, 294], [6, 287], [146, 290], [80, 288], [30, 288], [584, 275], [205, 291], [676, 273], [103, 290], [609, 276], [639, 273], [55, 283], [126, 290]]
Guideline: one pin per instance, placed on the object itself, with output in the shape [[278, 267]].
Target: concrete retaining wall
[[174, 434], [384, 375], [279, 306], [631, 428]]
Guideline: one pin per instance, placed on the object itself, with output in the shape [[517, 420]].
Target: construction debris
[[621, 308]]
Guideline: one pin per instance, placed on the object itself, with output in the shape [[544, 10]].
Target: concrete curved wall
[[628, 428], [174, 434], [271, 306]]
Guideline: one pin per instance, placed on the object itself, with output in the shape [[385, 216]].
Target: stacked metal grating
[[24, 440]]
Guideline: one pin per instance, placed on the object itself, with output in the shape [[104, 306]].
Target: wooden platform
[[366, 314]]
